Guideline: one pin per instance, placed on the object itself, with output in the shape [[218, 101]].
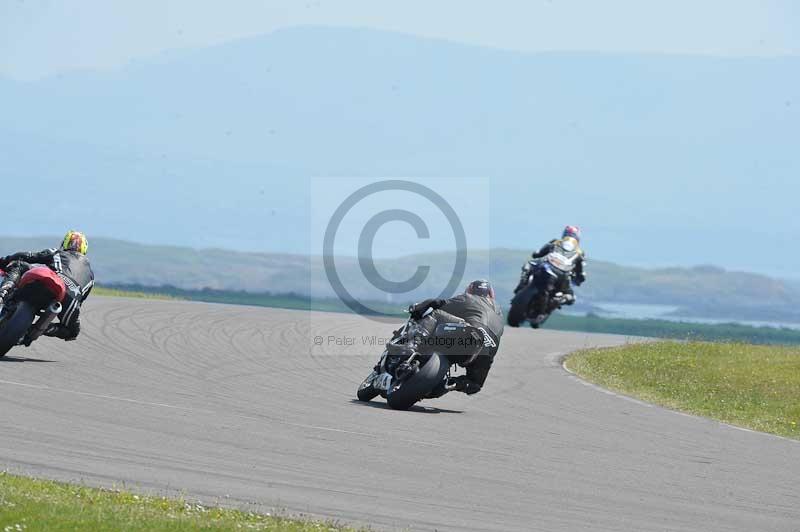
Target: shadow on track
[[23, 359], [415, 408]]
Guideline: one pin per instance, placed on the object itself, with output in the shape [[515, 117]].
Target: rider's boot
[[464, 384]]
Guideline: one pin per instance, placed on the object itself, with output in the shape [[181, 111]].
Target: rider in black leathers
[[70, 263], [478, 308]]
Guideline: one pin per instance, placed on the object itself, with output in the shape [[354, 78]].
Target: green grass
[[757, 387], [33, 505], [707, 332], [118, 292]]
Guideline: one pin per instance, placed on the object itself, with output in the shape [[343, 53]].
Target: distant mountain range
[[663, 159], [704, 291]]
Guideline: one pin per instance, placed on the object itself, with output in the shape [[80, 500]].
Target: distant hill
[[688, 157], [705, 291]]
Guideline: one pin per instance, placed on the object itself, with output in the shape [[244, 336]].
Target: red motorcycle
[[31, 307]]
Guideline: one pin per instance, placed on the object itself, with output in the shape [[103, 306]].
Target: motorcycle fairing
[[47, 278], [563, 260]]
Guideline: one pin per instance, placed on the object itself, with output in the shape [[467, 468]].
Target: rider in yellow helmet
[[75, 241], [69, 261]]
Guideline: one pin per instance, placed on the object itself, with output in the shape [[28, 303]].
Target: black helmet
[[481, 287]]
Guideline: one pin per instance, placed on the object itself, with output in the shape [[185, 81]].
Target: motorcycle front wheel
[[520, 305], [366, 391], [516, 315]]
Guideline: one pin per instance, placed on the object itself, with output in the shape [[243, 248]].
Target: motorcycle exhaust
[[44, 322]]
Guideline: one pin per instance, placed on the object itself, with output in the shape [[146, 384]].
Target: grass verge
[[751, 386], [117, 292], [676, 330], [30, 504]]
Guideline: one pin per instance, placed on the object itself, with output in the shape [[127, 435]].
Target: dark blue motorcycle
[[544, 287]]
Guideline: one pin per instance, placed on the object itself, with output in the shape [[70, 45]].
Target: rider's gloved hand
[[418, 310]]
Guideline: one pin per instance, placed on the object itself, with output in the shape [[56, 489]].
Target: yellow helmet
[[75, 241]]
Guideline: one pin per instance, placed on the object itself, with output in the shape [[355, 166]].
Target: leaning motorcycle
[[536, 299], [417, 362], [32, 306]]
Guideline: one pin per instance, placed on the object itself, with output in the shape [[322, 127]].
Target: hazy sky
[[43, 37]]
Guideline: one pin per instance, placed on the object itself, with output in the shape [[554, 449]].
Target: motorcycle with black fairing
[[544, 287], [417, 361], [32, 306]]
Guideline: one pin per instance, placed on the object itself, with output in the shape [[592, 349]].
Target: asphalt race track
[[237, 406]]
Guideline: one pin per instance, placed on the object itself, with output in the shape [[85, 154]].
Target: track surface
[[235, 405]]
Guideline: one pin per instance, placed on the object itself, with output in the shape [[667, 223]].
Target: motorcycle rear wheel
[[539, 320], [16, 326], [419, 385]]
